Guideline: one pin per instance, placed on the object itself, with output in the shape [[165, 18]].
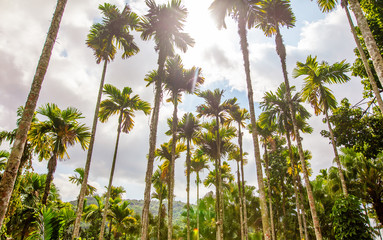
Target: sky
[[73, 79]]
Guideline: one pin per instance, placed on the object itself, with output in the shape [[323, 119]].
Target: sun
[[200, 24]]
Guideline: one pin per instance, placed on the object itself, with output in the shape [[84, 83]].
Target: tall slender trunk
[[371, 77], [84, 184], [9, 176], [198, 205], [52, 164], [219, 189], [300, 192], [103, 223], [243, 183], [282, 54], [188, 187], [262, 197], [269, 192], [152, 147], [159, 219], [172, 166], [240, 201], [369, 40], [294, 176], [340, 172]]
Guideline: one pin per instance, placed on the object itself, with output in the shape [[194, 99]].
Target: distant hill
[[137, 205]]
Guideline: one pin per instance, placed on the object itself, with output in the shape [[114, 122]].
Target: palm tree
[[237, 156], [277, 112], [9, 177], [78, 179], [197, 164], [188, 129], [165, 24], [266, 132], [319, 96], [104, 39], [51, 138], [122, 216], [178, 80], [160, 193], [124, 104], [214, 108], [245, 12], [369, 40], [278, 13], [239, 116], [327, 6]]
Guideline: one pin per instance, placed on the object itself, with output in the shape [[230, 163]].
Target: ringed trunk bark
[[292, 165], [188, 187], [269, 192], [240, 201], [152, 147], [262, 197], [9, 176], [282, 54], [243, 182], [52, 164], [81, 197], [340, 172], [369, 40], [103, 223], [365, 62], [172, 166]]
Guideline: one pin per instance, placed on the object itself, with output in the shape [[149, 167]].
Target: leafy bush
[[349, 221]]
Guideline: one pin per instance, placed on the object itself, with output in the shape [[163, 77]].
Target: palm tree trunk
[[292, 165], [52, 164], [269, 187], [282, 54], [9, 176], [159, 219], [300, 192], [240, 201], [365, 62], [103, 223], [262, 197], [172, 166], [243, 182], [188, 188], [84, 184], [152, 147], [219, 190], [369, 40], [340, 172], [198, 205]]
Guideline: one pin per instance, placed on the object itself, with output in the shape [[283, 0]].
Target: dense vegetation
[[344, 201]]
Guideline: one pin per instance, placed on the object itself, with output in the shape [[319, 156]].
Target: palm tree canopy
[[178, 79], [124, 103], [165, 153], [199, 161], [61, 130], [275, 13], [239, 115], [328, 5], [316, 76], [166, 22], [113, 33], [207, 140], [188, 128], [213, 106], [276, 110], [249, 9]]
